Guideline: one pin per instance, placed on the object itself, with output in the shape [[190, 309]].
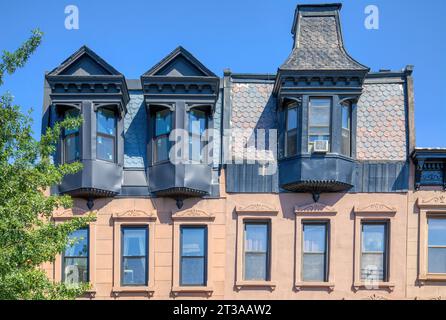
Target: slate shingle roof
[[319, 45]]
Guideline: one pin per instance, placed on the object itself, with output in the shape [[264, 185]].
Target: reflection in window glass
[[197, 126], [163, 124], [193, 256], [134, 256], [291, 131], [71, 144], [75, 258], [319, 121], [106, 135], [256, 251], [314, 252], [437, 245], [346, 130], [374, 252]]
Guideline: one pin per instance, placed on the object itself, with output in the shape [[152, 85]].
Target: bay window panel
[[75, 258], [105, 148], [163, 120], [134, 256], [346, 130], [193, 262], [106, 122], [198, 122], [291, 131], [319, 116], [106, 135], [437, 246], [256, 251], [71, 148], [161, 149], [162, 128]]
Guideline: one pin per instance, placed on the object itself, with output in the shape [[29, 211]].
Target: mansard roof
[[180, 62], [318, 42], [85, 62]]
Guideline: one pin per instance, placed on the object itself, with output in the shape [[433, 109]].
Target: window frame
[[288, 107], [326, 225], [267, 222], [65, 136], [385, 253], [146, 256], [330, 121], [349, 107], [205, 257], [105, 135], [155, 137], [203, 157], [64, 257]]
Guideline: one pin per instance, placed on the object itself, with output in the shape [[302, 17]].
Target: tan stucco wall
[[223, 215]]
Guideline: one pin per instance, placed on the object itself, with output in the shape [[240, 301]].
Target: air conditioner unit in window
[[320, 146]]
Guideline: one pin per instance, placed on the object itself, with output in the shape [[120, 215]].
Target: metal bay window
[[162, 128], [106, 135], [374, 251], [134, 256], [314, 261], [436, 245], [193, 260], [257, 251], [319, 122], [291, 130], [75, 258], [71, 146]]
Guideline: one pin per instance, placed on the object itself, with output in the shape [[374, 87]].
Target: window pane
[[320, 112], [161, 149], [197, 122], [75, 270], [134, 241], [134, 272], [346, 144], [106, 121], [372, 266], [315, 238], [437, 232], [195, 147], [256, 237], [193, 241], [437, 260], [291, 118], [71, 148], [79, 244], [291, 143], [373, 237], [162, 122], [313, 267], [105, 148], [255, 266], [346, 117], [193, 271]]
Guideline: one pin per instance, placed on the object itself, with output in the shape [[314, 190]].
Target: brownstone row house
[[340, 205]]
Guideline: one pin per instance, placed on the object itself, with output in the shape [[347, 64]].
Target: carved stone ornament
[[376, 208], [314, 208], [192, 214], [257, 208], [69, 213], [135, 214]]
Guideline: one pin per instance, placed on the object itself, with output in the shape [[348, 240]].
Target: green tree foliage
[[28, 235]]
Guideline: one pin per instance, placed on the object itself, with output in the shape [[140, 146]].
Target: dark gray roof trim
[[318, 42]]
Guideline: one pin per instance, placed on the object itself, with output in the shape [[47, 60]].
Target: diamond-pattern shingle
[[381, 123]]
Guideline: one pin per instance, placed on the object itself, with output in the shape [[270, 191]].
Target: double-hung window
[[134, 271], [193, 260], [162, 128], [106, 135], [257, 251], [374, 251], [346, 130], [319, 121], [198, 122], [75, 258], [314, 261], [436, 245], [291, 130], [71, 144]]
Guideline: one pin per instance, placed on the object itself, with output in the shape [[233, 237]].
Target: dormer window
[[346, 144], [71, 145], [291, 130], [319, 122], [106, 135], [198, 123], [162, 128]]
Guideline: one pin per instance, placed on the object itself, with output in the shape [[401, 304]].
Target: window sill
[[207, 290], [240, 285], [117, 291], [374, 286], [314, 285], [432, 278]]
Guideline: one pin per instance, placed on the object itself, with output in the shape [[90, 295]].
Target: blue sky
[[244, 35]]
